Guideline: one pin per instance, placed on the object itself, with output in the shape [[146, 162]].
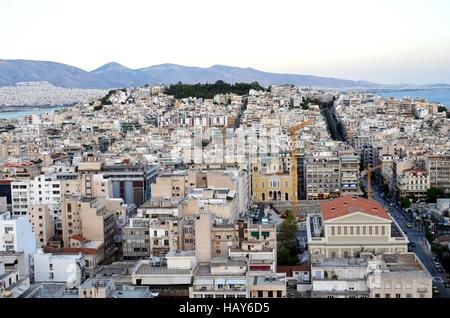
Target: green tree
[[435, 193], [405, 202], [287, 249]]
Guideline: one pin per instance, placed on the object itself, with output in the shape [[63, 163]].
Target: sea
[[433, 95], [27, 111]]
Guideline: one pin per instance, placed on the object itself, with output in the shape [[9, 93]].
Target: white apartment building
[[59, 268], [43, 189], [20, 197], [17, 235], [383, 276]]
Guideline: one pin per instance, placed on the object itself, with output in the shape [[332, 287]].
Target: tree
[[287, 250], [435, 193], [405, 202]]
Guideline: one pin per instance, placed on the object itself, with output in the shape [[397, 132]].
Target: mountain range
[[114, 75]]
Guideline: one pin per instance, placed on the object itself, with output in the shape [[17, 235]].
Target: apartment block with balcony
[[438, 170], [220, 278], [322, 177]]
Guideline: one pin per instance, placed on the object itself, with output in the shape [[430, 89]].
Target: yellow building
[[271, 187]]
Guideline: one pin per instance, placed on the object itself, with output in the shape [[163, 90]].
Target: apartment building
[[12, 283], [136, 239], [223, 203], [348, 226], [239, 239], [16, 235], [398, 275], [90, 218], [323, 176], [59, 268], [131, 182], [20, 196], [350, 166], [438, 169], [220, 278], [42, 222]]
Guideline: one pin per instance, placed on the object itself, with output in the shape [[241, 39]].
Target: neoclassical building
[[349, 226]]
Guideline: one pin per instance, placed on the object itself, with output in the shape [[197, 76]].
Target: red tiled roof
[[82, 250], [78, 238], [347, 205]]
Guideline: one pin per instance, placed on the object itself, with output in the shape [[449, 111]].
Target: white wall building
[[59, 268], [17, 235]]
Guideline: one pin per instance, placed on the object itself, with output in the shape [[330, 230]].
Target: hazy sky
[[384, 41]]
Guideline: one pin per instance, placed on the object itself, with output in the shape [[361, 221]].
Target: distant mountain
[[114, 75]]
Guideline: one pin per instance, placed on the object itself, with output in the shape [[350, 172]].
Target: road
[[415, 235]]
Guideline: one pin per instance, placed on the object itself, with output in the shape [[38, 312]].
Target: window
[[51, 276], [377, 295], [363, 230], [279, 294], [8, 229], [383, 231], [270, 294], [398, 295], [357, 230], [388, 296], [351, 230], [339, 230], [333, 231], [260, 293], [345, 230], [370, 230]]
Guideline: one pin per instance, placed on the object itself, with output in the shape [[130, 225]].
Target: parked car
[[439, 269], [447, 285], [409, 225], [436, 290]]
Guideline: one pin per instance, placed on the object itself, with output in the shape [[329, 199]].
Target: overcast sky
[[395, 41]]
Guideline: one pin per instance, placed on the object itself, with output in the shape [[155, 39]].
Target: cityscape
[[229, 176], [283, 192]]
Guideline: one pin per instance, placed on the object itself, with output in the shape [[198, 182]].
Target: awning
[[203, 281], [220, 281], [236, 282]]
